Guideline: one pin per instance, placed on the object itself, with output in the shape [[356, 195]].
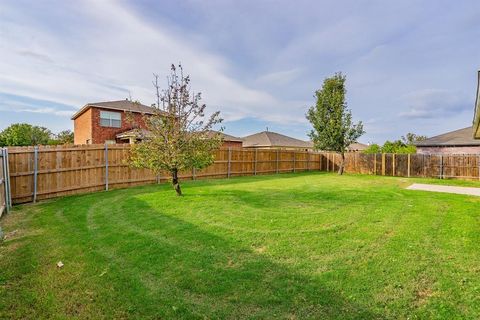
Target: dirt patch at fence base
[[445, 189]]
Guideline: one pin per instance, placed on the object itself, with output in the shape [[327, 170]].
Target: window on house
[[110, 119]]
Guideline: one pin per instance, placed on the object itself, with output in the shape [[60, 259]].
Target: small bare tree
[[178, 135]]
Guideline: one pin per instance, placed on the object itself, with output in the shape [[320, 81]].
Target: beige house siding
[[82, 127]]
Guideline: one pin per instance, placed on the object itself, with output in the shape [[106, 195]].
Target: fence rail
[[44, 172], [5, 196]]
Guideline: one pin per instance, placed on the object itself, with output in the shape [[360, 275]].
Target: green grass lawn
[[290, 246]]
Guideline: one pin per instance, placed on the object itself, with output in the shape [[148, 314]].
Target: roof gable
[[120, 105], [273, 139], [461, 137]]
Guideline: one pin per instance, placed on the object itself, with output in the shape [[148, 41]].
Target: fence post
[[393, 164], [441, 167], [294, 161], [9, 188], [478, 165], [308, 160], [229, 161], [408, 165], [5, 178], [375, 164], [106, 167], [423, 165], [255, 163], [277, 159], [355, 158], [383, 164], [35, 172]]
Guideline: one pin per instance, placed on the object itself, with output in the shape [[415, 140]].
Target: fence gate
[[5, 196]]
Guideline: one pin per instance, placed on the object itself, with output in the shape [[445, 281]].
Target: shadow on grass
[[188, 272]]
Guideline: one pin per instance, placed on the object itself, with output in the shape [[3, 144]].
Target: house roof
[[461, 137], [142, 133], [357, 146], [226, 137], [273, 139], [133, 133], [120, 105], [476, 117]]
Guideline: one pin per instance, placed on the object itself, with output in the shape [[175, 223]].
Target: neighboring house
[[106, 122], [228, 140], [476, 117], [273, 140], [357, 147], [454, 142]]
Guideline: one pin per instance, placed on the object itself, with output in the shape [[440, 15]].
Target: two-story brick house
[[107, 122], [119, 122]]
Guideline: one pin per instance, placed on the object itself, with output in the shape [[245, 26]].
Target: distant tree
[[64, 137], [373, 148], [405, 145], [333, 129], [397, 146], [411, 138], [24, 134], [178, 137]]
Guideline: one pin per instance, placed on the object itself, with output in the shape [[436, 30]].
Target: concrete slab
[[446, 189]]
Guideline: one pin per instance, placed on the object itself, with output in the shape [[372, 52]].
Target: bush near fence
[[45, 172]]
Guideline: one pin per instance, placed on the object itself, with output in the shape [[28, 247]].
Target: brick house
[[102, 122], [273, 140], [455, 142], [106, 122]]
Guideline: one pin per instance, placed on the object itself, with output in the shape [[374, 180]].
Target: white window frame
[[110, 119]]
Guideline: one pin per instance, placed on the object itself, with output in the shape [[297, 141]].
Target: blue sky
[[411, 66]]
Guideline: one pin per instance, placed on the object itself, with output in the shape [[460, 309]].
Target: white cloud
[[433, 103], [280, 78], [110, 53]]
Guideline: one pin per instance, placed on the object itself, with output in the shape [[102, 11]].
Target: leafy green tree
[[64, 137], [24, 134], [333, 129], [411, 138], [397, 146], [373, 148], [178, 135], [403, 146]]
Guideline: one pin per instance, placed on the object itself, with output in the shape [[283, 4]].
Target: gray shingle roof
[[121, 105], [357, 146], [227, 137], [461, 137], [273, 139]]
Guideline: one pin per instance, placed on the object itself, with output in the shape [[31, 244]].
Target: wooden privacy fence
[[458, 166], [51, 171]]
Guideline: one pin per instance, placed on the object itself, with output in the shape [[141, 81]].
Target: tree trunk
[[342, 164], [175, 183]]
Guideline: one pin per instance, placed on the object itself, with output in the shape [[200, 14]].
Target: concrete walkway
[[445, 189]]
